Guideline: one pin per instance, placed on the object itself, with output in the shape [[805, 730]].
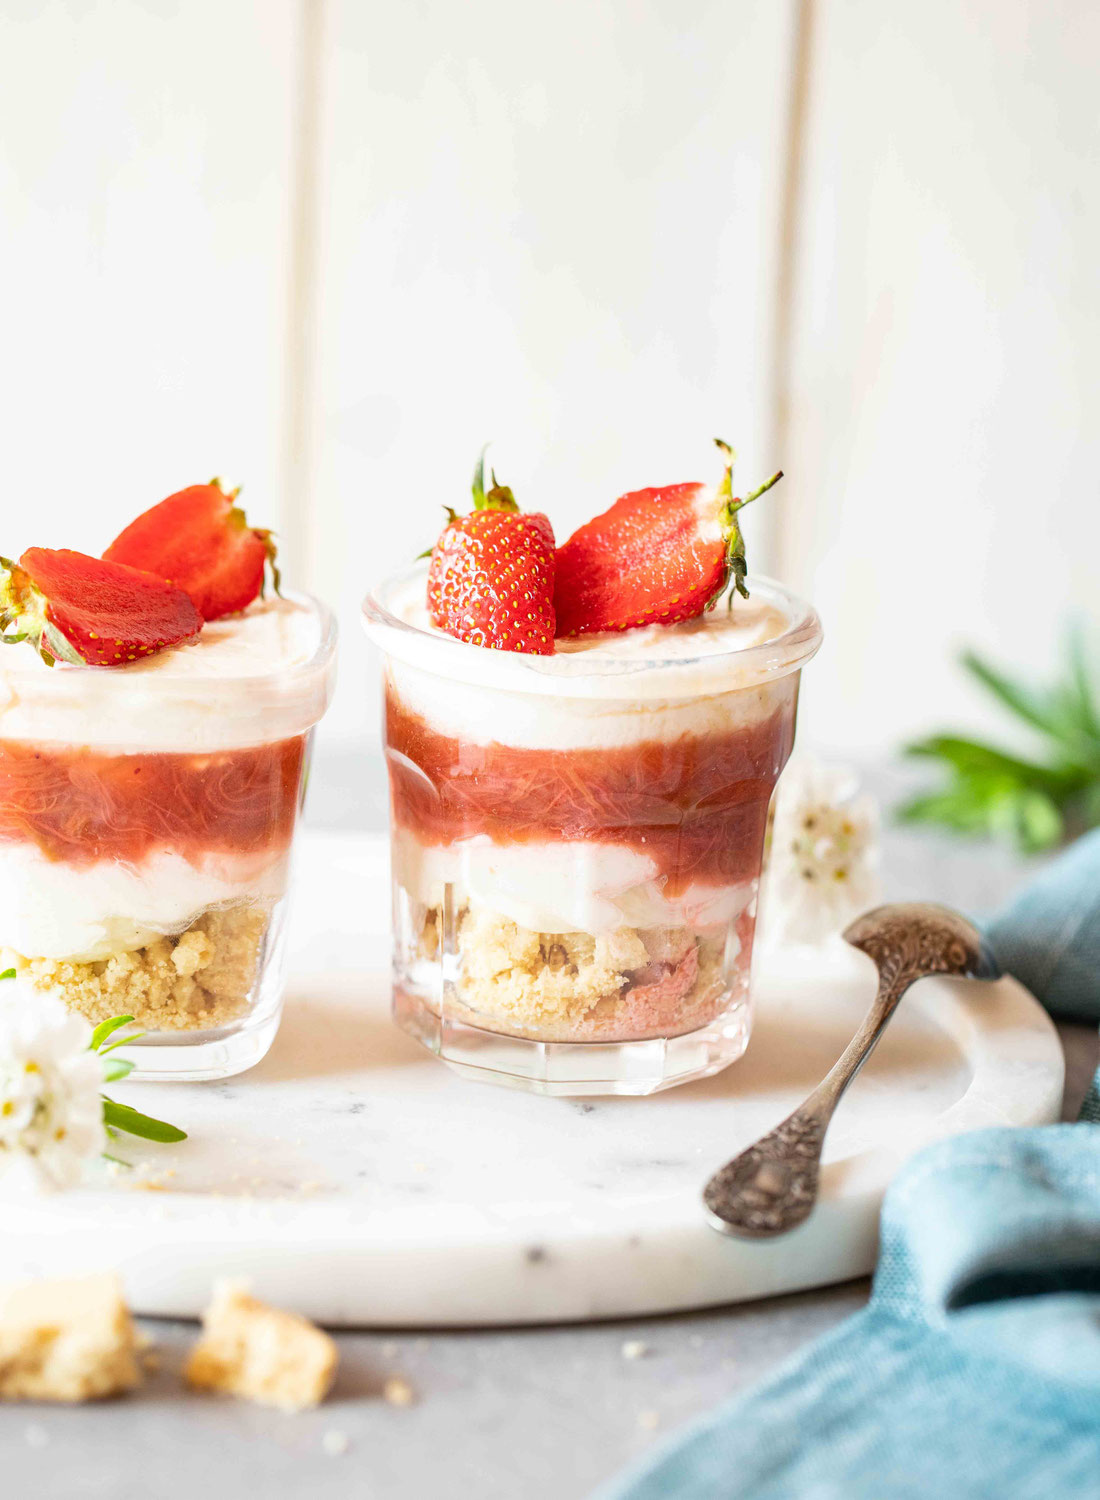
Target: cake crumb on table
[[335, 1442], [635, 1349], [71, 1340], [261, 1353], [398, 1392]]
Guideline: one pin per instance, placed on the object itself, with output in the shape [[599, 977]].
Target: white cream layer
[[726, 669], [50, 909], [560, 887], [249, 679], [532, 721]]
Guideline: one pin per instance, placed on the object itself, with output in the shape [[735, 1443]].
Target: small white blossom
[[51, 1112], [823, 861]]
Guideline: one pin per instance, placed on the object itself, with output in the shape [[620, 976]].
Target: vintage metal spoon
[[772, 1187]]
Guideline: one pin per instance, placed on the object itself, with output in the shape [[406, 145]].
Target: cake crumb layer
[[574, 986], [196, 981]]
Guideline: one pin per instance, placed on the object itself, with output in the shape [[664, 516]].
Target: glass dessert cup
[[577, 842], [147, 816]]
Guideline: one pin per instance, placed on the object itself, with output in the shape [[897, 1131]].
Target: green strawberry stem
[[23, 605], [737, 568], [499, 497]]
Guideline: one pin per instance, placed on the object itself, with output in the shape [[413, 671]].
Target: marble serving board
[[353, 1177]]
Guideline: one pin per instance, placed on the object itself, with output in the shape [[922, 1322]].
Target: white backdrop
[[329, 247]]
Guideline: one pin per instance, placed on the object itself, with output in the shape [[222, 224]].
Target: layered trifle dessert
[[582, 745], [156, 707]]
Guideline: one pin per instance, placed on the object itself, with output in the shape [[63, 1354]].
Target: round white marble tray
[[355, 1178]]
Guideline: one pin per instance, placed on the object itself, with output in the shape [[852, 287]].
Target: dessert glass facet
[[577, 839], [147, 814]]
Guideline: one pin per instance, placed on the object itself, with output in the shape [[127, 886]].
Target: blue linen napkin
[[974, 1371]]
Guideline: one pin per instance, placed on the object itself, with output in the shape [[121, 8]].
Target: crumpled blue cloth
[[974, 1371]]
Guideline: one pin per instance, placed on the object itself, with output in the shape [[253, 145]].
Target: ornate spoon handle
[[773, 1186]]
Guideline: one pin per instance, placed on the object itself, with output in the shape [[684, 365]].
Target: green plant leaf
[[115, 1068], [1085, 690], [122, 1041], [973, 757], [957, 808], [8, 974], [122, 1117], [106, 1029], [1035, 803], [1021, 699], [1039, 824], [993, 806]]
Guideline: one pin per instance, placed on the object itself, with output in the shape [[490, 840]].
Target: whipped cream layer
[[560, 887], [248, 679], [532, 721], [81, 913], [727, 668]]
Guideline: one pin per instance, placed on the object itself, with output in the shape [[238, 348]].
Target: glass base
[[569, 1069], [182, 1057]]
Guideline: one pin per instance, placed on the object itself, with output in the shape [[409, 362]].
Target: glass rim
[[756, 663]]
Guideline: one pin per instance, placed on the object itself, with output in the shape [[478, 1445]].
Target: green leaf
[[1081, 682], [8, 974], [1023, 702], [1056, 714], [115, 1068], [957, 808], [972, 757], [105, 1029], [993, 806], [122, 1117], [1039, 824], [122, 1041]]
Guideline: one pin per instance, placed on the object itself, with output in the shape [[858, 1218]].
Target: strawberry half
[[83, 610], [201, 541], [491, 578], [656, 557]]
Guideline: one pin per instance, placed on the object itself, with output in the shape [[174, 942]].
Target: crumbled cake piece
[[199, 980], [66, 1341], [398, 1392], [262, 1353]]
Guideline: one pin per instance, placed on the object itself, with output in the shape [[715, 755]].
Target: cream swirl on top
[[248, 679]]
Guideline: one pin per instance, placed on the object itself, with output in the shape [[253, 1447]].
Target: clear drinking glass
[[147, 816], [576, 846]]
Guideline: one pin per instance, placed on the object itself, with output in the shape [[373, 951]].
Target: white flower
[[823, 863], [51, 1113]]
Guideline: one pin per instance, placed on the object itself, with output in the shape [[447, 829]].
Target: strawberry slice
[[491, 578], [89, 612], [201, 541], [656, 557]]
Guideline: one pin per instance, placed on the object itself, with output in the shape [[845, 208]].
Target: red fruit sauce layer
[[698, 805], [80, 806]]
